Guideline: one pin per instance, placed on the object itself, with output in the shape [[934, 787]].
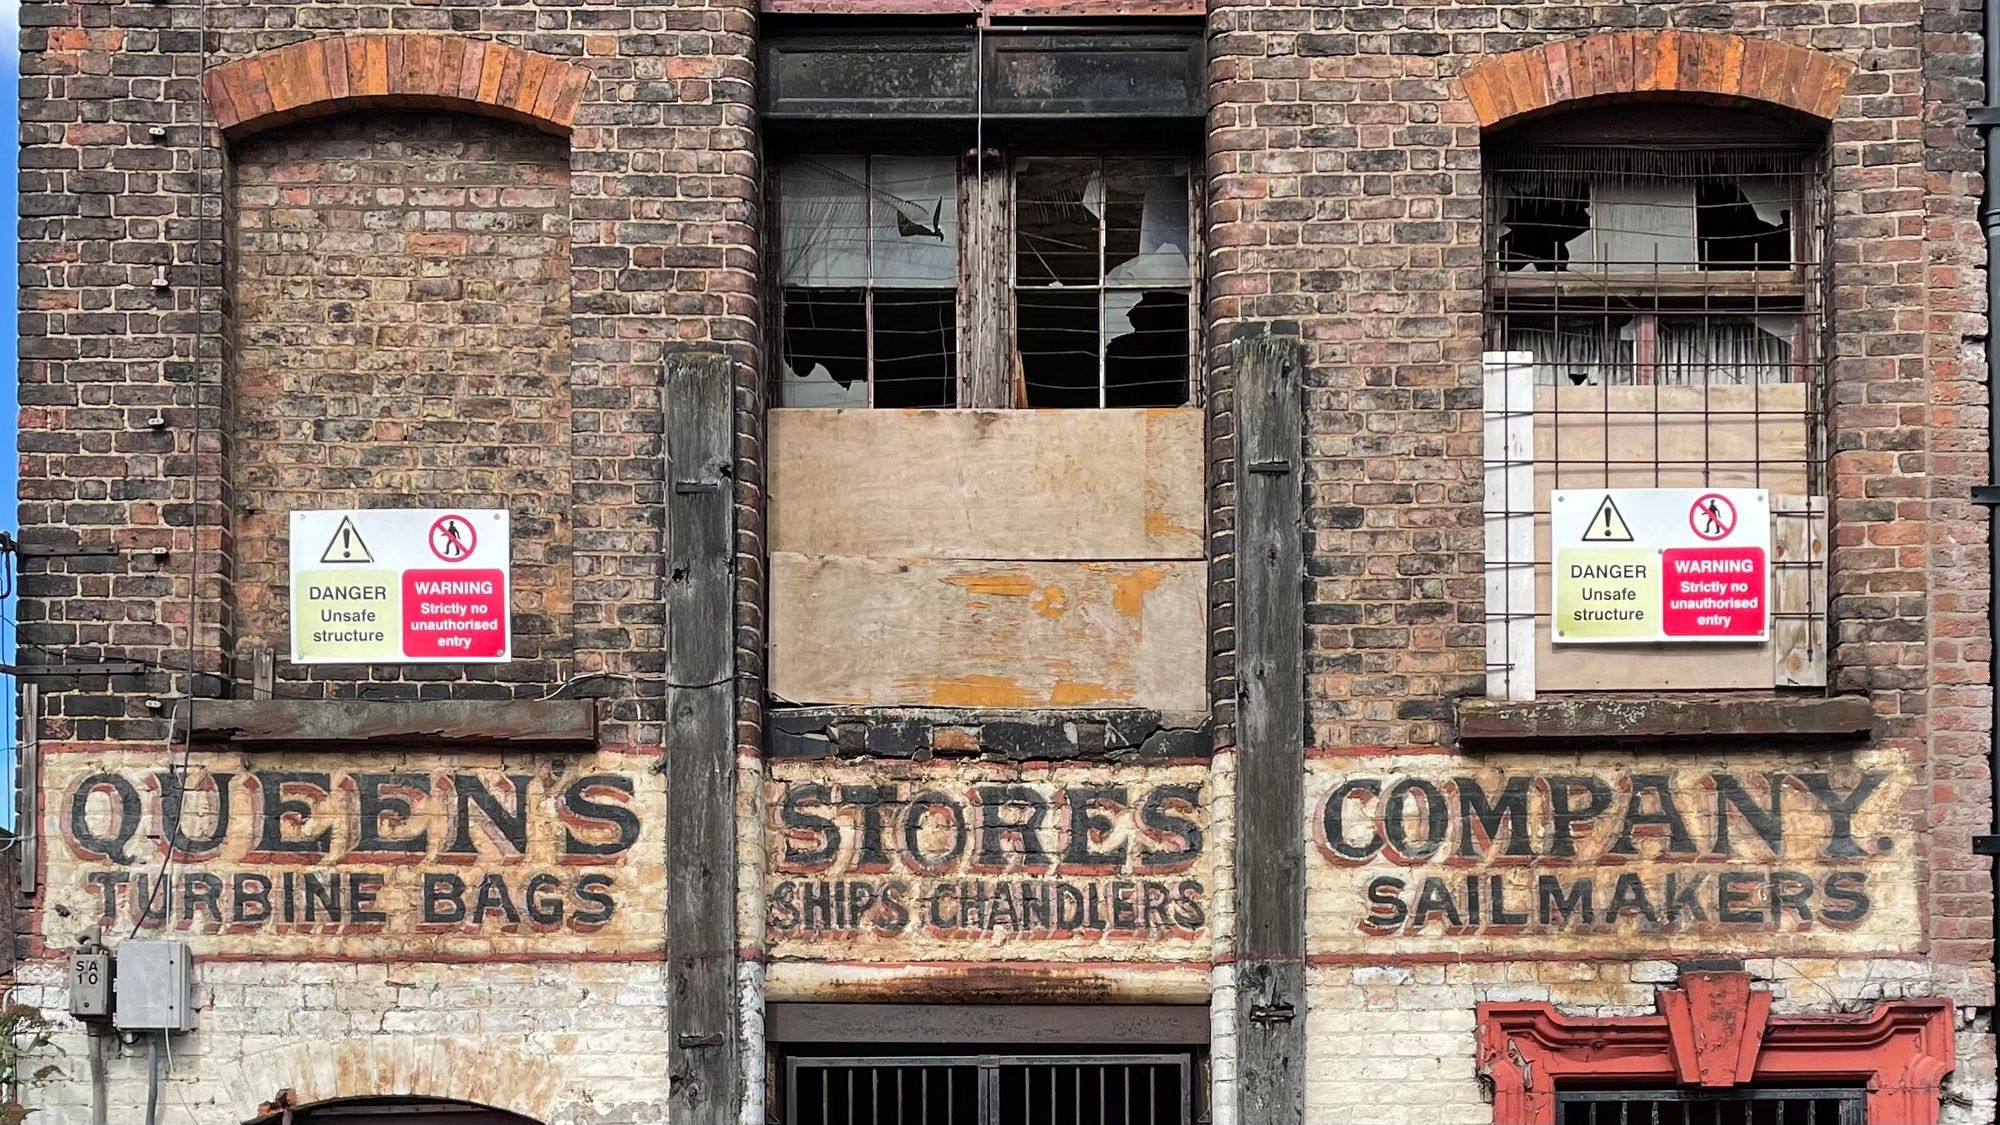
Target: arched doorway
[[392, 1111]]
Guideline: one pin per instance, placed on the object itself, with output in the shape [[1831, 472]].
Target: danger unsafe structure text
[[1652, 565], [375, 587]]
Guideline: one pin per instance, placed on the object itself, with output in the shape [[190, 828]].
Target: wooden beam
[[305, 724], [1270, 735], [1175, 1025], [1600, 718], [704, 1075]]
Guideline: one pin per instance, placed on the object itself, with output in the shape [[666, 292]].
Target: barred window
[[1010, 280], [1655, 320]]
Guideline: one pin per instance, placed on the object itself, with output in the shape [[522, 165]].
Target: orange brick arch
[[1687, 65], [336, 73]]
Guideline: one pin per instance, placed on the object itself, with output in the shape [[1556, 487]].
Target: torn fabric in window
[[869, 258], [1103, 280]]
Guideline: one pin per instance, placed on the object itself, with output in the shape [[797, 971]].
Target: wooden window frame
[[986, 321]]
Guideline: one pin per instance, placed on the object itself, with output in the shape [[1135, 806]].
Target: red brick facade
[[330, 254]]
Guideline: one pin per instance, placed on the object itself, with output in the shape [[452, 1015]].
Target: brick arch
[[509, 1077], [1688, 65], [336, 73]]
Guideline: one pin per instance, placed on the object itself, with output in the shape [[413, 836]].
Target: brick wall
[[1344, 205], [401, 291]]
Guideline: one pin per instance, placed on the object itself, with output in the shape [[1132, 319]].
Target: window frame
[[1518, 565], [986, 327]]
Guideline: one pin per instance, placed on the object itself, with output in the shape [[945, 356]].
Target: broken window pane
[[916, 360], [869, 257], [1058, 343], [1145, 353], [1102, 261], [1146, 222], [1744, 224], [1058, 218], [826, 348], [913, 234], [1551, 220]]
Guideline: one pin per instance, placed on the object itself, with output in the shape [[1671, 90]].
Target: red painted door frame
[[1714, 1030]]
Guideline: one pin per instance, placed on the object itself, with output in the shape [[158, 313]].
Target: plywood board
[[987, 484], [1661, 437], [949, 633]]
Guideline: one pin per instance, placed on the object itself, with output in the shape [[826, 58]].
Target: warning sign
[[1660, 565], [1607, 525], [346, 546], [410, 585]]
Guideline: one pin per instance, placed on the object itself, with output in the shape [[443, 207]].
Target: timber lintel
[[1712, 715], [307, 724]]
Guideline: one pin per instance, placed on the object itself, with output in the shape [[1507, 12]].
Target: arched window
[[1656, 279], [392, 1111]]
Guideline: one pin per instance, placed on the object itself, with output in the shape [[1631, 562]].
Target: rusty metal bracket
[[1986, 845], [1276, 468], [1272, 1013], [690, 1042]]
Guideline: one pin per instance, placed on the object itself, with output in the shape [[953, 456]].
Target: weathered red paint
[[1714, 1030]]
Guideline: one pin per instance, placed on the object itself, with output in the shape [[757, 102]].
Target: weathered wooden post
[[1270, 750], [703, 1071]]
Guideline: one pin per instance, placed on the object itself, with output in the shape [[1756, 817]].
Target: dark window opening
[[1102, 281], [1710, 1107], [1083, 1089], [921, 281], [869, 262]]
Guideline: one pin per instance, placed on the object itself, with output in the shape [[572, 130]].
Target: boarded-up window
[[1655, 312]]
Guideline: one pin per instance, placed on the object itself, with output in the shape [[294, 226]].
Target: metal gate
[[1710, 1107], [991, 1090]]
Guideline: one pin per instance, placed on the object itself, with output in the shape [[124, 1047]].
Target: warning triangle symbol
[[346, 546], [1607, 525]]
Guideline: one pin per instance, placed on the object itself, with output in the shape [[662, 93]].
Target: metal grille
[[1709, 1107], [990, 1090], [1670, 304]]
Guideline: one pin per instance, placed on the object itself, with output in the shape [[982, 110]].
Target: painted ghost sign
[[360, 854], [1771, 853], [938, 860]]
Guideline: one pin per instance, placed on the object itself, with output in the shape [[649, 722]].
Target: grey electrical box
[[154, 986], [90, 985]]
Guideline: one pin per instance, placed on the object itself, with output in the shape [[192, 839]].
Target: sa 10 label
[[405, 585]]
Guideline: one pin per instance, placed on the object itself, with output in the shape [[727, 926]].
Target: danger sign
[[1660, 565], [400, 586]]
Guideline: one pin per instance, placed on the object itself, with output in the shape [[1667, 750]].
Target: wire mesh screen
[[1669, 309], [869, 264], [1710, 1107], [1101, 281], [991, 1090]]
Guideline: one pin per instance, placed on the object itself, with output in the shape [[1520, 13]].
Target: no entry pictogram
[[1713, 516], [452, 538]]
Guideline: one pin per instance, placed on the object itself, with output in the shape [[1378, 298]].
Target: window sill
[[1710, 715], [567, 725]]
